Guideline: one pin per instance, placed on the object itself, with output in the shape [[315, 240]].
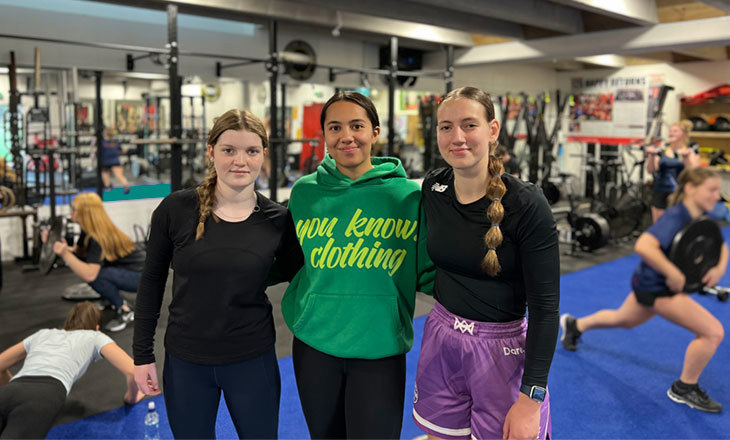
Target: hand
[[146, 378], [713, 276], [523, 419], [131, 400], [676, 281], [44, 235], [684, 152], [60, 247], [650, 150]]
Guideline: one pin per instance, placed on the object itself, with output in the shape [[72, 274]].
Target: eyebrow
[[463, 120], [351, 121]]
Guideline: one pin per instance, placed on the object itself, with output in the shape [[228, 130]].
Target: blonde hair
[[83, 316], [233, 119], [95, 222], [695, 176], [495, 187]]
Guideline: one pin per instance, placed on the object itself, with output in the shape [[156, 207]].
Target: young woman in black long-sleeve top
[[222, 239], [483, 367]]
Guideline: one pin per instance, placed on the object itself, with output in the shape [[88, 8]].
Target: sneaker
[[120, 322], [570, 335], [694, 397]]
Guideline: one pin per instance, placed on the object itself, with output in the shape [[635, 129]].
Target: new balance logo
[[463, 326], [513, 351], [438, 187]]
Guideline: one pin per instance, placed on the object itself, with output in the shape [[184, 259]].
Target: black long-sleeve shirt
[[219, 311], [528, 255]]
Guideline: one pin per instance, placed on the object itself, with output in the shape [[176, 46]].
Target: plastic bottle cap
[[151, 406]]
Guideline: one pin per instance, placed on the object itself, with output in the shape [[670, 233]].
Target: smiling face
[[237, 157], [465, 134], [704, 195], [349, 135]]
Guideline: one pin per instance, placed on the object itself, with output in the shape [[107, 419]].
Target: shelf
[[710, 134]]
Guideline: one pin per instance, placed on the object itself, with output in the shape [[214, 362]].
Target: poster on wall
[[128, 116], [608, 110]]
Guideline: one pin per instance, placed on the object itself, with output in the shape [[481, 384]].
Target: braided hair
[[233, 119], [495, 187]]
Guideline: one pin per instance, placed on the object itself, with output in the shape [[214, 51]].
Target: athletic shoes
[[694, 397], [120, 322], [570, 335]]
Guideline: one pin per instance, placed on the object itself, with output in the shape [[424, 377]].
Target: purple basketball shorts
[[469, 376]]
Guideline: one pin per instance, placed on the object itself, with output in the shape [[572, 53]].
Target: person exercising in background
[[54, 360], [105, 257], [110, 160], [666, 165], [657, 289]]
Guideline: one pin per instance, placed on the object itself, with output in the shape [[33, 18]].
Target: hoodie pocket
[[363, 326]]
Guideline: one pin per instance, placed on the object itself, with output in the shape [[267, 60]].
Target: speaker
[[408, 60]]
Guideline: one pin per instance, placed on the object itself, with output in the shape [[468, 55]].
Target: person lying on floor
[[54, 360]]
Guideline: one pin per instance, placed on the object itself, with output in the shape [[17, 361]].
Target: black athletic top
[[219, 311], [91, 253], [528, 255]]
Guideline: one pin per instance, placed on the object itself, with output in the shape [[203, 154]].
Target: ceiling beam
[[302, 13], [723, 5], [414, 12], [640, 12], [538, 13], [660, 37]]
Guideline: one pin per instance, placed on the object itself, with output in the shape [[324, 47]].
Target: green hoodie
[[364, 258]]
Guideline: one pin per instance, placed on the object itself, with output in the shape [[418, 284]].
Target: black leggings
[[350, 398], [252, 389], [29, 405]]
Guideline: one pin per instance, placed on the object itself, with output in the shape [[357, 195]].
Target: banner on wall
[[610, 110]]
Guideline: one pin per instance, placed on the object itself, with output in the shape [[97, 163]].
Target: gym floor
[[30, 301]]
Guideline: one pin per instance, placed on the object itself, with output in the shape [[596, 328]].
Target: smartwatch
[[535, 392]]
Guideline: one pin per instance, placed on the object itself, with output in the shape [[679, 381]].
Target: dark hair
[[495, 186], [233, 119], [355, 98], [695, 176], [83, 316]]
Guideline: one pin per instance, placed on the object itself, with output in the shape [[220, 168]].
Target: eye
[[445, 128], [334, 128], [253, 151], [358, 126], [227, 150]]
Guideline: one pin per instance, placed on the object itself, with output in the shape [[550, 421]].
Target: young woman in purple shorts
[[483, 368]]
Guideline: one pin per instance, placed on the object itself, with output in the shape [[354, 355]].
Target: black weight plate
[[591, 231], [696, 249], [48, 257]]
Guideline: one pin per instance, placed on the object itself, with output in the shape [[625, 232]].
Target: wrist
[[525, 400]]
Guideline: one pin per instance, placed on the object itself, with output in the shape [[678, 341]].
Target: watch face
[[538, 394]]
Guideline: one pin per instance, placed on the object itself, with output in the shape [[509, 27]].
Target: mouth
[[349, 149], [460, 150], [241, 172]]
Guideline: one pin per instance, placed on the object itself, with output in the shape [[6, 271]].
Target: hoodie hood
[[384, 168]]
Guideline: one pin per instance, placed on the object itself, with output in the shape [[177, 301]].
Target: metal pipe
[[449, 73], [99, 125], [112, 46], [273, 68], [391, 94], [175, 100]]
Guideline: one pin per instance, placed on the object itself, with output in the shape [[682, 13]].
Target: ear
[[376, 132], [209, 153], [493, 130], [98, 327]]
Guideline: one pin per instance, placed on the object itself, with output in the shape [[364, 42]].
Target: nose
[[459, 136], [346, 135], [239, 157]]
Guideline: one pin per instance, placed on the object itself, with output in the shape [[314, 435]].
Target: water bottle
[[151, 423]]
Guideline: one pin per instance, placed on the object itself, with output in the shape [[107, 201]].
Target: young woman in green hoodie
[[350, 308]]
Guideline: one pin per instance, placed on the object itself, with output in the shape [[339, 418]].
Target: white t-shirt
[[63, 355]]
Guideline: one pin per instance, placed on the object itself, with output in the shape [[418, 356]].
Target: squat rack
[[172, 52]]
